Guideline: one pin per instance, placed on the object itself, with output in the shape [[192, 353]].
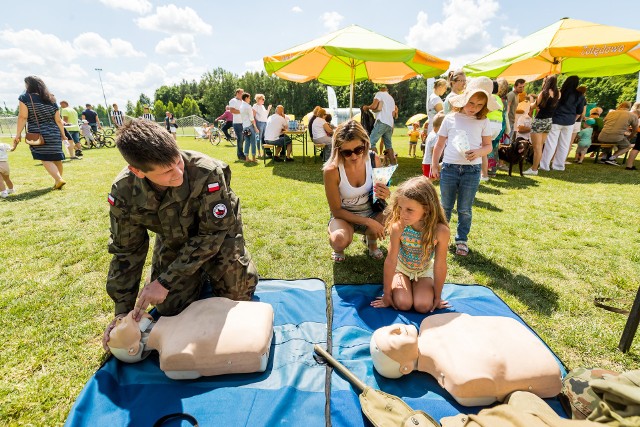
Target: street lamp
[[106, 106]]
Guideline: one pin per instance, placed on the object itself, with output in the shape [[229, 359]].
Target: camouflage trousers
[[232, 276]]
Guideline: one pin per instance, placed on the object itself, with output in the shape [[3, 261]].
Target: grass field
[[547, 245]]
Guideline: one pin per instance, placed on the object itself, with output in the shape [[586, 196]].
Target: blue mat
[[290, 392], [353, 323]]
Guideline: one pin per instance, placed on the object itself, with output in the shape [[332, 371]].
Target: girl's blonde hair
[[346, 132], [438, 83], [480, 115], [421, 190]]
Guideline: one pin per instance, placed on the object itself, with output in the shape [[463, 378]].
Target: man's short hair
[[88, 105], [64, 102], [246, 96], [624, 105], [114, 105], [239, 90], [519, 82], [145, 145]]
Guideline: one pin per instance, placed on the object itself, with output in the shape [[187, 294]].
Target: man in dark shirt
[[92, 117]]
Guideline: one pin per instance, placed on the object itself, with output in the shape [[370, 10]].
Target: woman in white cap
[[469, 134]]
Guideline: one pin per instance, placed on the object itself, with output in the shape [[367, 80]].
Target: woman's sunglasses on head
[[357, 151]]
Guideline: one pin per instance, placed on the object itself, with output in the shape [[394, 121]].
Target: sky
[[142, 44]]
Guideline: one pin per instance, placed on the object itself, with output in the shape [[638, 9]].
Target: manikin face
[[411, 212], [125, 338], [164, 176], [475, 104], [399, 343]]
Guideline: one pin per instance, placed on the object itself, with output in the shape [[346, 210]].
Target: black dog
[[516, 152]]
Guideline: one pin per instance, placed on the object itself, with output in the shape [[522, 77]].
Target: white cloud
[[177, 44], [92, 44], [174, 20], [257, 65], [461, 36], [510, 35], [331, 20], [138, 6], [36, 47], [296, 9]]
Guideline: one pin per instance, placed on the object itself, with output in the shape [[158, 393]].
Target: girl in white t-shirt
[[467, 135], [435, 104]]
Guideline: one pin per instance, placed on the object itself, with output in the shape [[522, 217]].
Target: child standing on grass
[[7, 189], [414, 136], [584, 140], [416, 263], [430, 142], [467, 135]]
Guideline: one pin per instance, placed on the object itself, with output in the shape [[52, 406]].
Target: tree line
[[209, 96]]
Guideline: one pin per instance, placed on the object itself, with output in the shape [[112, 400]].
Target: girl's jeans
[[459, 182]]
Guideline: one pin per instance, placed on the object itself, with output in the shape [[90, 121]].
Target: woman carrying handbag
[[45, 132]]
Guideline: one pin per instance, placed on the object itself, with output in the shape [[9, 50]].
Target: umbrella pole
[[353, 77]]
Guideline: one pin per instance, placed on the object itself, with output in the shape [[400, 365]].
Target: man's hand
[[110, 326], [152, 294]]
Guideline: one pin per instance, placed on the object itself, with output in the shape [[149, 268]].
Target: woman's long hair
[[422, 191], [569, 89], [550, 84], [36, 85]]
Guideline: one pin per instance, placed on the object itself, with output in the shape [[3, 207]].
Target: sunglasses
[[357, 151]]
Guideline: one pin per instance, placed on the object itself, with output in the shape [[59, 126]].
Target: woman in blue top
[[39, 112], [570, 107]]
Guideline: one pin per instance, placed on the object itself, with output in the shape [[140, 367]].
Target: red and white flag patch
[[111, 200], [212, 188]]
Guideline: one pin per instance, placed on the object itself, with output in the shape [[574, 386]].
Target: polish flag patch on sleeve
[[111, 200], [212, 188]]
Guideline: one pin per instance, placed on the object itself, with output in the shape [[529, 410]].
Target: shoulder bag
[[34, 138]]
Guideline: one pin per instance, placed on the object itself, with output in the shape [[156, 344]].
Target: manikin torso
[[214, 336], [481, 359]]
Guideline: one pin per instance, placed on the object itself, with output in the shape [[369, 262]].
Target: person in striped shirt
[[117, 116], [147, 114]]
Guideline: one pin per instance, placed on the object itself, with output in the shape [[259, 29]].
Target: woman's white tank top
[[355, 198]]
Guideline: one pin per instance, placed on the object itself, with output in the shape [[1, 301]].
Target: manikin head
[[394, 350], [126, 340]]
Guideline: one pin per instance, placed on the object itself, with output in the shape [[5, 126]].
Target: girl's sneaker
[[4, 194], [11, 190]]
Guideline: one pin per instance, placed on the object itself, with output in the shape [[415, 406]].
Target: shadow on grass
[[593, 173], [18, 197], [306, 172], [358, 268], [515, 181], [536, 296], [485, 205]]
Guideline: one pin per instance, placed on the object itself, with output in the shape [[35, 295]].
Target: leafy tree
[[190, 107], [144, 100], [178, 111], [158, 109], [103, 114], [138, 111], [130, 109], [171, 108]]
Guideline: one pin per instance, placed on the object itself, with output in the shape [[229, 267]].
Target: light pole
[[106, 106]]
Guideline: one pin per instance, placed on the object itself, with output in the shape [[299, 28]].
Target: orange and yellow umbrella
[[569, 46]]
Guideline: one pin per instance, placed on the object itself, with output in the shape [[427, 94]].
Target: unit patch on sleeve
[[220, 210]]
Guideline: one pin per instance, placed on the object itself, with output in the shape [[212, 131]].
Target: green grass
[[547, 245]]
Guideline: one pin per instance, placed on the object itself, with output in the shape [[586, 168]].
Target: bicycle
[[101, 139], [216, 135]]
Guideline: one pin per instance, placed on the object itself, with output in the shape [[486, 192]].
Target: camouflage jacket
[[198, 221]]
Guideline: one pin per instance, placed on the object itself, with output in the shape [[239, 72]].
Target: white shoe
[[4, 194], [530, 172], [484, 178], [11, 190]]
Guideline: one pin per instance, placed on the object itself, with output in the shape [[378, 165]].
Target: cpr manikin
[[477, 359], [213, 336]]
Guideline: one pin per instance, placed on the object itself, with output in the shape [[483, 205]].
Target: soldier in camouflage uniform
[[185, 199]]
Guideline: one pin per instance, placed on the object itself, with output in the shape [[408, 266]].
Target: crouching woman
[[348, 185]]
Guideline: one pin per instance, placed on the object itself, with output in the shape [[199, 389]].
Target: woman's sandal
[[376, 253], [337, 256], [462, 249]]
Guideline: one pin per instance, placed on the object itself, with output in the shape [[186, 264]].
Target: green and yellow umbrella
[[351, 55], [569, 46]]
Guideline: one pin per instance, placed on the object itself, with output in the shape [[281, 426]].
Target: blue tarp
[[354, 320], [290, 392]]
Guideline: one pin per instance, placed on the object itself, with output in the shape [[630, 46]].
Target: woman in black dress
[[36, 100]]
